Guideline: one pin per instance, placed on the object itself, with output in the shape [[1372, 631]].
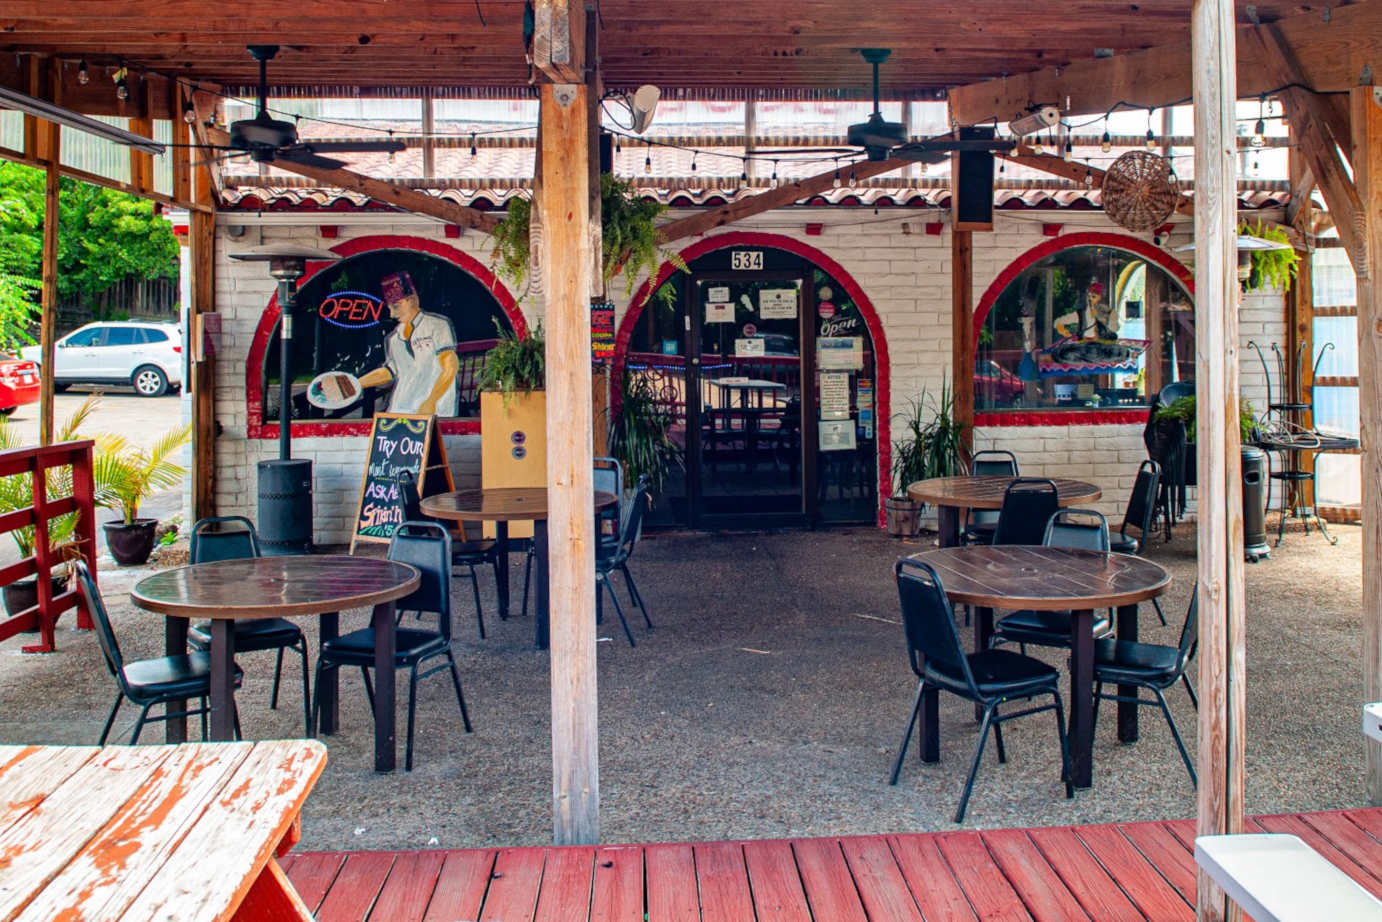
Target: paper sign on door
[[719, 312], [777, 303]]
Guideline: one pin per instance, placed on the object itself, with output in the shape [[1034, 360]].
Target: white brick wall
[[905, 276]]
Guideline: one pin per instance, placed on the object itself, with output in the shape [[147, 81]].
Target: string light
[[1088, 175], [773, 182], [1151, 138], [836, 181], [694, 154], [1069, 151], [1106, 142], [744, 173], [618, 146], [122, 88], [82, 76], [391, 153], [648, 158], [189, 112], [1260, 128], [473, 151]]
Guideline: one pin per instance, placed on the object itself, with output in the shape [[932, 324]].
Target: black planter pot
[[131, 544], [23, 594]]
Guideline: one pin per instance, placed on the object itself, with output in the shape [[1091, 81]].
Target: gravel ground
[[768, 702]]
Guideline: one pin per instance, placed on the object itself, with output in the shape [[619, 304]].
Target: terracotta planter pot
[[132, 544], [903, 517]]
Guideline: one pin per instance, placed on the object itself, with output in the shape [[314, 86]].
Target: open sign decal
[[352, 310]]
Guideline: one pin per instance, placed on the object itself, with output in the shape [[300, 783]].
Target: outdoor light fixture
[[642, 105], [1037, 120], [12, 99], [285, 485]]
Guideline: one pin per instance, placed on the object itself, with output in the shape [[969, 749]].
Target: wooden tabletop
[[267, 587], [504, 504], [1044, 578], [150, 832], [986, 492]]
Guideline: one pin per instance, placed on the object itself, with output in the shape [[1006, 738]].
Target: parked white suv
[[147, 356]]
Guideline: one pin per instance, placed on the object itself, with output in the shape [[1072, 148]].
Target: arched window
[[1086, 327], [341, 321]]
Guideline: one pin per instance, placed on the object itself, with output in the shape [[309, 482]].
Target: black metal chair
[[1028, 505], [609, 558], [1153, 666], [147, 682], [990, 678], [464, 553], [427, 546], [1142, 505], [1052, 628], [212, 541], [987, 463]]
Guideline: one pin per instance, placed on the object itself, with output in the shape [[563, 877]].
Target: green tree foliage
[[104, 236]]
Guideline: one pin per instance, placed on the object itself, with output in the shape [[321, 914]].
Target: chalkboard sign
[[398, 442]]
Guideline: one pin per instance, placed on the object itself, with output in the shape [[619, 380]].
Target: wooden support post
[[182, 136], [962, 332], [202, 242], [429, 143], [1366, 118], [564, 201], [141, 123], [1219, 495], [750, 132], [50, 145]]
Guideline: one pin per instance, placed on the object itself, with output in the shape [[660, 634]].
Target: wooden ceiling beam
[[1076, 172], [1333, 53], [785, 194], [558, 51]]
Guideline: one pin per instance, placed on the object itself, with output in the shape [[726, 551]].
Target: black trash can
[[285, 507], [1254, 503]]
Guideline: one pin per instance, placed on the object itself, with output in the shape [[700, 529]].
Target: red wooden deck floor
[[1111, 873]]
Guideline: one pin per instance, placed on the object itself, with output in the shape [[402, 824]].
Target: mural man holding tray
[[419, 359]]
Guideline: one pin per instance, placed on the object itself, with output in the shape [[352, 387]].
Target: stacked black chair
[[467, 554], [426, 546], [1142, 505], [1052, 628], [607, 477], [212, 540], [1153, 666], [982, 522], [148, 682], [611, 557], [990, 678], [1028, 505]]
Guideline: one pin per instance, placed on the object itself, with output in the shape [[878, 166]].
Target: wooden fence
[[45, 466]]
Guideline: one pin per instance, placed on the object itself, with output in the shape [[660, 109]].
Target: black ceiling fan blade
[[345, 147], [307, 158], [989, 145], [211, 161], [773, 152]]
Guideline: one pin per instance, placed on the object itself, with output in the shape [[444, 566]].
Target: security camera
[[1037, 120], [642, 104]]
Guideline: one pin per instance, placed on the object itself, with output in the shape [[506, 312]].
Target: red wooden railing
[[37, 463]]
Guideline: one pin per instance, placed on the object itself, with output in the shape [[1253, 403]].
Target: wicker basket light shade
[[1140, 190]]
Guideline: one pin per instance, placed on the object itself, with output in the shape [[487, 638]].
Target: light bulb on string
[[1151, 138], [618, 146], [744, 173], [1260, 129], [473, 151], [189, 112], [122, 89], [648, 159], [83, 77], [693, 160], [392, 157], [836, 181], [1106, 142], [773, 181], [1088, 175], [1069, 151]]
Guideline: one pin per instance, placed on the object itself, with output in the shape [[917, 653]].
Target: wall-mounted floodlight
[[1034, 121], [642, 105]]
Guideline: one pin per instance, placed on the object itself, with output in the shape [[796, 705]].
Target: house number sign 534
[[745, 260]]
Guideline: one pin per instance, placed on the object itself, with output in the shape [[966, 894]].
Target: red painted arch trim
[[1142, 248], [882, 364], [268, 322]]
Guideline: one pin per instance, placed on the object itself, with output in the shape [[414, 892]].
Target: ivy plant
[[1270, 268], [516, 364]]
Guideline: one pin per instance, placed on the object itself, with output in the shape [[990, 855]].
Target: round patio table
[[502, 505], [951, 494], [226, 591], [1055, 579]]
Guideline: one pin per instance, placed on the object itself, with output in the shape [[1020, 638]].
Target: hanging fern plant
[[628, 235], [1270, 268]]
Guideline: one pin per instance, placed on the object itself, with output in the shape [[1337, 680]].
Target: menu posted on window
[[398, 442]]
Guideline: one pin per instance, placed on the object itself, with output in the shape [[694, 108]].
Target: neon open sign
[[353, 310]]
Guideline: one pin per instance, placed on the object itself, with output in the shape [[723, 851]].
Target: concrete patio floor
[[767, 703]]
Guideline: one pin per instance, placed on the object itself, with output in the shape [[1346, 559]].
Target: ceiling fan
[[266, 139], [884, 140]]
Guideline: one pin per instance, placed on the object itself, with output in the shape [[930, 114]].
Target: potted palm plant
[[126, 475], [640, 434], [931, 445], [17, 492]]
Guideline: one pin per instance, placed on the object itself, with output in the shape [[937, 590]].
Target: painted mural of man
[[419, 355]]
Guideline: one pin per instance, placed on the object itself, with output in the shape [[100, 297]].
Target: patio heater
[[285, 484]]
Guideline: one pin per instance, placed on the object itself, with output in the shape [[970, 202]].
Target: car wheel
[[149, 381]]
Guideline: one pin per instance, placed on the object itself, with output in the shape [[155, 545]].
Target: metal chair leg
[[460, 698], [1175, 734], [998, 737], [1190, 690], [278, 677], [503, 610], [1156, 603], [1094, 721], [1066, 774], [636, 595], [412, 713], [974, 763], [527, 577], [907, 734], [306, 687], [604, 583], [206, 709], [479, 612], [369, 687], [110, 721], [139, 724]]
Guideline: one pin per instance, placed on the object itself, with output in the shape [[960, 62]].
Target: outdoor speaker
[[972, 192]]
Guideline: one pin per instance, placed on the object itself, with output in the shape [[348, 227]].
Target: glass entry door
[[746, 430]]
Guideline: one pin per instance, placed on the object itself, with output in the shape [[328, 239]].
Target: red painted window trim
[[268, 322], [1142, 248], [882, 364]]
